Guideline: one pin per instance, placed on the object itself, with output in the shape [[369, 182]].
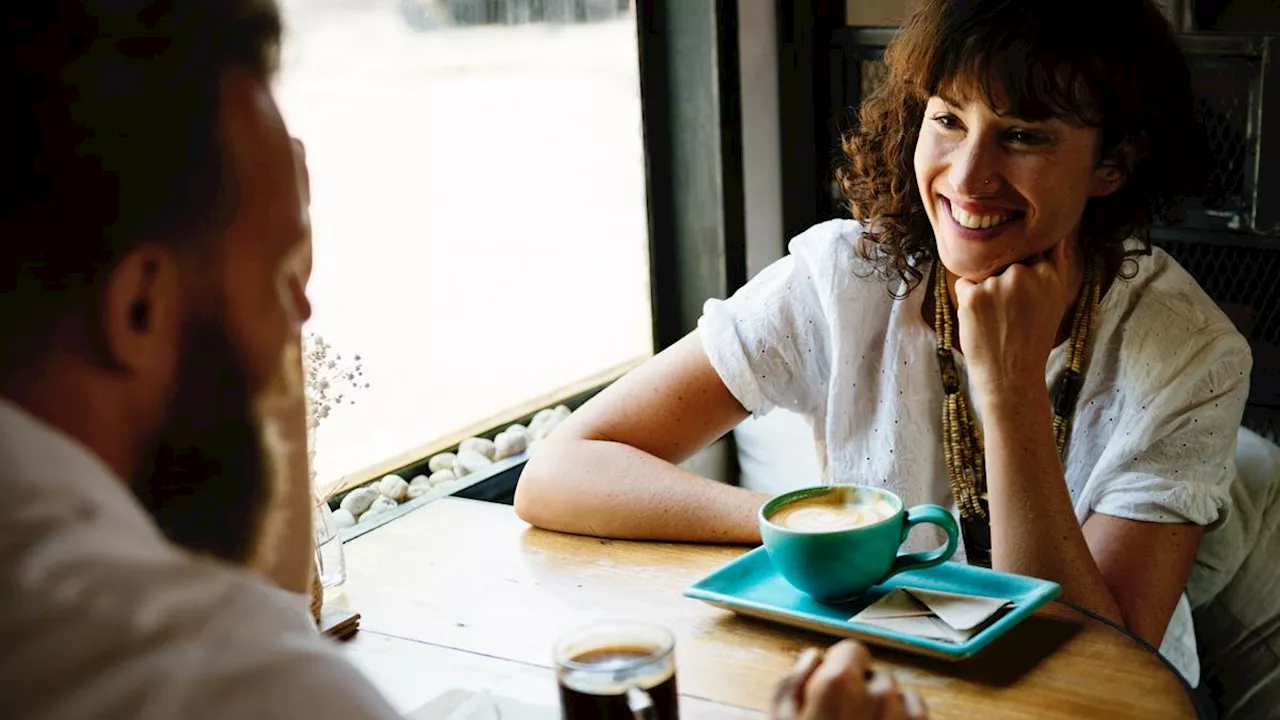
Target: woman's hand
[[842, 686], [1009, 322]]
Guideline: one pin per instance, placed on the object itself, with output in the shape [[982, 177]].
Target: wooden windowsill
[[574, 394]]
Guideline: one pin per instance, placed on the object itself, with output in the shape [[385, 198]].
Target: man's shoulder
[[98, 623]]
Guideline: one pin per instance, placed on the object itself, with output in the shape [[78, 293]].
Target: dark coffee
[[593, 685]]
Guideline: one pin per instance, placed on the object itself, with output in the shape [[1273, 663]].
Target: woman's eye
[[1026, 137], [947, 121]]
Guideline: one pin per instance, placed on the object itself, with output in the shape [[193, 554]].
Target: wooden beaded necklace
[[962, 446]]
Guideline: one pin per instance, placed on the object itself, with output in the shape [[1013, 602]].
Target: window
[[478, 205]]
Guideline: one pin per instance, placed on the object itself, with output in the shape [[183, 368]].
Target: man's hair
[[110, 138], [1109, 64]]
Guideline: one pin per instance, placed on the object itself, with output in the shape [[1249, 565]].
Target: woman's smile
[[973, 221]]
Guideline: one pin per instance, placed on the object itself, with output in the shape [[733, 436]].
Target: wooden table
[[463, 594]]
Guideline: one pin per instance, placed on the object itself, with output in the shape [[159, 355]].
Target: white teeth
[[976, 222]]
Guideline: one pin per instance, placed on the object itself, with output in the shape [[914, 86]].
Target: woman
[[992, 330]]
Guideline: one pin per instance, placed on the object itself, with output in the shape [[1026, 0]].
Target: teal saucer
[[751, 586]]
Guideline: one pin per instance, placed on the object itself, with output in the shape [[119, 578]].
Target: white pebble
[[546, 421], [357, 501], [540, 418], [544, 430], [533, 446], [484, 446], [383, 504], [470, 461], [343, 519], [510, 443], [368, 517], [441, 461], [518, 428], [393, 487], [442, 477], [420, 486]]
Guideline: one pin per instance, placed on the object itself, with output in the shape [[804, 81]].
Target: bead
[[950, 376]]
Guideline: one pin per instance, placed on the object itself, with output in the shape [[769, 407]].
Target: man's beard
[[207, 477]]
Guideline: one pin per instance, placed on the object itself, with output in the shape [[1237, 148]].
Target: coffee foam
[[833, 511]]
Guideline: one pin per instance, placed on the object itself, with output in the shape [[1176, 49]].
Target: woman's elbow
[[536, 499]]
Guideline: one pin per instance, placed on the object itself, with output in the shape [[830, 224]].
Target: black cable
[[1201, 713]]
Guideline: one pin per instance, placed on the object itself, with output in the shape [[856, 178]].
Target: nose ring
[[987, 181]]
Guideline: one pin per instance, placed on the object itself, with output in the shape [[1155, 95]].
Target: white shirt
[[102, 617], [1153, 437]]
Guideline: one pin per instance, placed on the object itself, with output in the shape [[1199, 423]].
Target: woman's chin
[[975, 270]]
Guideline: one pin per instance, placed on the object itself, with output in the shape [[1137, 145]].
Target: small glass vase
[[331, 564]]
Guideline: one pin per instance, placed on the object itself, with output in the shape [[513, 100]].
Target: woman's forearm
[[1034, 530], [609, 489]]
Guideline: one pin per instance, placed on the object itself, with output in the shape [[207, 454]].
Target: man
[[154, 252]]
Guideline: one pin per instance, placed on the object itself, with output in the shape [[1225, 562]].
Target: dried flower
[[328, 380]]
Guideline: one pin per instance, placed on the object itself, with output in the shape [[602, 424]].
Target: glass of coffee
[[617, 671]]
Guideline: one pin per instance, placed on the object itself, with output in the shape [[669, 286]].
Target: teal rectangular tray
[[750, 586]]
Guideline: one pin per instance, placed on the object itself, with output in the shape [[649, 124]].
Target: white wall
[[761, 141]]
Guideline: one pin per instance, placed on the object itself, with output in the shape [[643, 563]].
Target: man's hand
[[842, 686], [1009, 322]]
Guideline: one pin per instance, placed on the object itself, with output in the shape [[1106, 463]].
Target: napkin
[[932, 614], [459, 704]]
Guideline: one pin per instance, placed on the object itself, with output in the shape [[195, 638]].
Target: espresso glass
[[617, 671]]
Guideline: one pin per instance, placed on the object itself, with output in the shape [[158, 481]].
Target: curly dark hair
[[1110, 64]]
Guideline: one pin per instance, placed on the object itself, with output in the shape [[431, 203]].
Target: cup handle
[[640, 704], [936, 515]]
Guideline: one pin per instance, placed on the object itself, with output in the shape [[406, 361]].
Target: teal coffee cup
[[836, 541]]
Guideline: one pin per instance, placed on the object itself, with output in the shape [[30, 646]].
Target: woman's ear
[[1107, 179], [1116, 165]]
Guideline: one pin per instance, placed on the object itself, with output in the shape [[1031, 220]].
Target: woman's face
[[999, 190]]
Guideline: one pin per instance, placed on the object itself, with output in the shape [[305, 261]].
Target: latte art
[[832, 512]]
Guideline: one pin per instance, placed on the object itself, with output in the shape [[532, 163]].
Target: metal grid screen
[[1245, 282], [1226, 93]]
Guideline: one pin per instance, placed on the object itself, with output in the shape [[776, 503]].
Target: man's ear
[[142, 309], [1114, 169]]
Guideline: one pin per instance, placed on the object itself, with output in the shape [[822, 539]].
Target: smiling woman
[[992, 331], [1111, 100]]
